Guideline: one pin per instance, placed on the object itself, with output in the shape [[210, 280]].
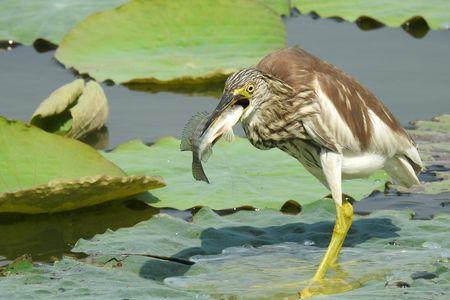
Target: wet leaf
[[71, 279], [21, 264], [239, 174], [25, 21], [392, 13], [73, 110], [433, 139], [172, 42], [274, 255], [41, 172]]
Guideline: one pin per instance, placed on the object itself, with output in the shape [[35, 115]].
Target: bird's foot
[[328, 286]]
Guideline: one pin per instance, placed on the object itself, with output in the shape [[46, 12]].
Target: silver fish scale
[[189, 140]]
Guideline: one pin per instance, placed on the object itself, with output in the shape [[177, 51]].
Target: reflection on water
[[48, 236], [99, 139], [416, 26], [213, 87]]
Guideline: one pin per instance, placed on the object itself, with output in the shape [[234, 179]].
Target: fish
[[200, 141]]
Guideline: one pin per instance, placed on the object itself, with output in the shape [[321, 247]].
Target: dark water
[[410, 75]]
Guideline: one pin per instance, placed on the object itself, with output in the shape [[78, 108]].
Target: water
[[409, 75]]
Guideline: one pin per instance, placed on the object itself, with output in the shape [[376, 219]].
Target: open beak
[[228, 99]]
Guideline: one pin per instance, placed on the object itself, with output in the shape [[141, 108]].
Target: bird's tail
[[404, 168]]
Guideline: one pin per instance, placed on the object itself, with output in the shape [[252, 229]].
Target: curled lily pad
[[176, 42], [390, 12], [25, 21], [69, 194], [73, 110], [239, 173], [42, 172]]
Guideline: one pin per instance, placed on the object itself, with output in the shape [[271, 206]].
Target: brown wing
[[303, 71]]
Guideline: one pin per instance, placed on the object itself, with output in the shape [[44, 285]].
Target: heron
[[334, 126]]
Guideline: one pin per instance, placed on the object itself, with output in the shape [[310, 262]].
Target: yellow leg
[[344, 218]]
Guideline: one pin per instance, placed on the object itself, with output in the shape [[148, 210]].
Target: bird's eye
[[250, 88]]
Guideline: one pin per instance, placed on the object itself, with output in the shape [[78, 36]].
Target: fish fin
[[197, 170], [229, 135], [189, 130], [206, 154]]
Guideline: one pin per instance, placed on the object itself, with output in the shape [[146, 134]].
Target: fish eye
[[250, 88]]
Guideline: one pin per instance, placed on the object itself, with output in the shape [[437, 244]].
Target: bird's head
[[248, 88]]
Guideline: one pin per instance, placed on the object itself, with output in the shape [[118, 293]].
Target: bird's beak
[[228, 99]]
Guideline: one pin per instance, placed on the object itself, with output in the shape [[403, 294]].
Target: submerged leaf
[[73, 110], [21, 264], [72, 279], [176, 42], [42, 172], [268, 255], [390, 12], [239, 173]]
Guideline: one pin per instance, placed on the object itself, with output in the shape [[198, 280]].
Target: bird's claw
[[327, 287]]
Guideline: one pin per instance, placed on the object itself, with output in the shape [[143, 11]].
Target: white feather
[[384, 139], [332, 121], [401, 171], [362, 165]]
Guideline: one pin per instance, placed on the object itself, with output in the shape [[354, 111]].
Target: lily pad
[[41, 172], [172, 42], [282, 7], [24, 21], [73, 110], [390, 12], [275, 254], [239, 173], [433, 138], [71, 279]]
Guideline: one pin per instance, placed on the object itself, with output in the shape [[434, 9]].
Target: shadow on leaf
[[215, 240]]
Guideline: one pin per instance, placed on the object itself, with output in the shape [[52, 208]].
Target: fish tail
[[197, 169]]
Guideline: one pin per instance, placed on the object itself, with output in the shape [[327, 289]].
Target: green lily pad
[[247, 255], [282, 7], [71, 279], [433, 139], [239, 173], [73, 110], [268, 255], [21, 264], [24, 21], [42, 172], [172, 42], [390, 12]]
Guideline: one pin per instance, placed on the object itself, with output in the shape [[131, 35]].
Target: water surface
[[411, 76]]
